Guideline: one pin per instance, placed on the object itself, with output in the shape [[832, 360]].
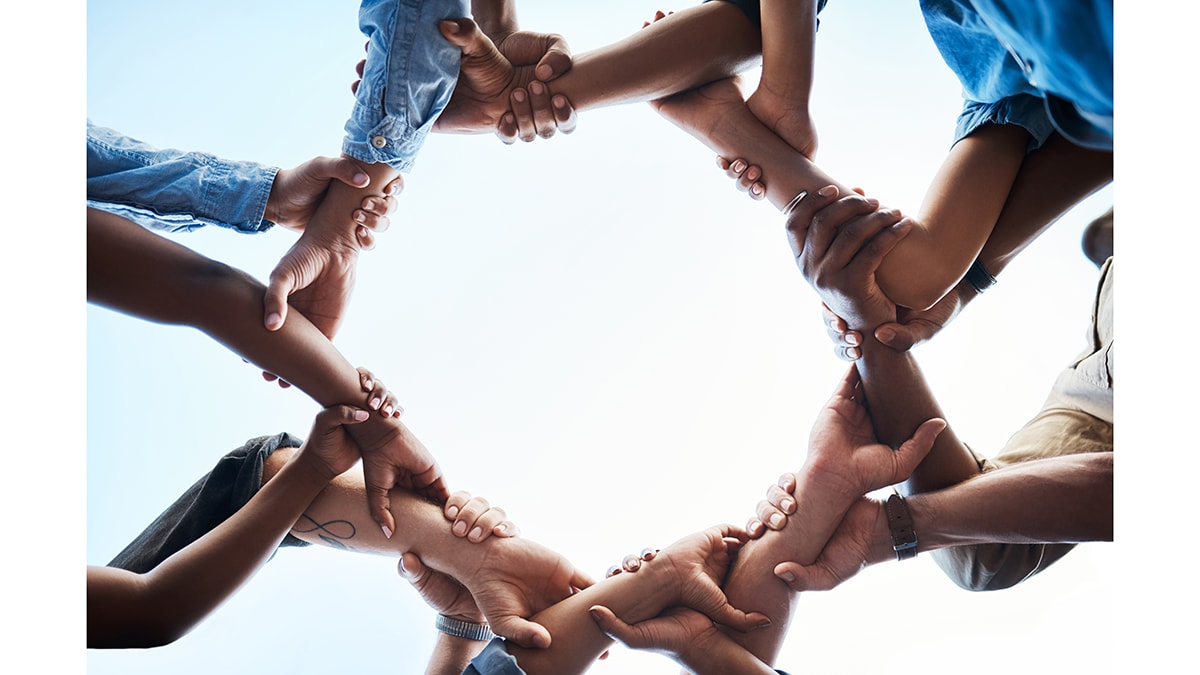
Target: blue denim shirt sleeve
[[174, 190], [494, 660], [409, 76], [1024, 110]]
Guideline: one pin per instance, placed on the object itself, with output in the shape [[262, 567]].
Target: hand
[[674, 633], [475, 519], [748, 176], [838, 245], [533, 112], [697, 111], [328, 448], [772, 513], [439, 591], [861, 540], [845, 458], [517, 579], [486, 81], [378, 396], [316, 276], [297, 192], [393, 457], [700, 562], [632, 563]]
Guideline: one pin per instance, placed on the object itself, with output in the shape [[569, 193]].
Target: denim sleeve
[[410, 74], [494, 660], [1024, 110], [174, 190]]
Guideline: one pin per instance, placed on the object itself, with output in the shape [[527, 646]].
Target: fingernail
[[404, 568], [612, 571], [273, 319], [452, 511], [360, 217], [776, 520], [872, 201], [560, 102], [361, 415], [450, 26], [476, 533], [375, 403], [536, 88], [460, 528], [387, 531], [543, 72], [827, 191], [387, 411], [501, 528], [361, 179], [739, 165], [786, 505], [763, 624], [788, 577], [885, 334], [519, 96], [756, 189], [852, 339]]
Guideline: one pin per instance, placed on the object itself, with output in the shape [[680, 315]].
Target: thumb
[[795, 576], [615, 628], [525, 633], [275, 305], [379, 480], [347, 171], [556, 60], [900, 337], [465, 34], [911, 452], [410, 567]]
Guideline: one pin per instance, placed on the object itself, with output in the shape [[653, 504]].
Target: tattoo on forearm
[[335, 533]]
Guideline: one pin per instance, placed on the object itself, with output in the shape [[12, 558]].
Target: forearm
[[576, 639], [900, 400], [333, 222], [957, 216], [176, 595], [752, 585], [691, 47], [1052, 179], [1066, 499], [789, 30]]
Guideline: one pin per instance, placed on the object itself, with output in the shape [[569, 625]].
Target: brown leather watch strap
[[900, 524]]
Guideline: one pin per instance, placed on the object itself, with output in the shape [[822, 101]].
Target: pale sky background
[[598, 333]]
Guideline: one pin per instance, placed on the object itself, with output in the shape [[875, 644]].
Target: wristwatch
[[900, 524]]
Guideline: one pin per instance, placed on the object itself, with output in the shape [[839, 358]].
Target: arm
[[691, 47], [789, 31], [142, 274], [844, 462], [1066, 499], [155, 608]]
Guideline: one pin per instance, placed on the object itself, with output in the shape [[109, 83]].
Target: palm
[[695, 110], [518, 579], [843, 448], [447, 596]]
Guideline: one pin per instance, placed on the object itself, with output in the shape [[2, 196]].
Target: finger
[[581, 580], [343, 169], [863, 243], [723, 164], [756, 528], [788, 482], [539, 103], [633, 637], [506, 528], [275, 306], [522, 631], [903, 337], [911, 452], [431, 485], [377, 208], [556, 61], [506, 128], [366, 239], [413, 570], [486, 524], [269, 377], [455, 503], [770, 515], [736, 167], [799, 224], [564, 114], [521, 108], [393, 189], [797, 577], [380, 478], [751, 180], [468, 514], [782, 500]]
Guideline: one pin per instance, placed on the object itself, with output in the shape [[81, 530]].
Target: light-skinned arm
[[137, 272], [789, 31], [126, 609]]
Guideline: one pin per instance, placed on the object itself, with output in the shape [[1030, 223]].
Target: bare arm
[[126, 609], [140, 273]]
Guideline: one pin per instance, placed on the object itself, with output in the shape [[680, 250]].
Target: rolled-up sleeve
[[408, 79], [174, 190]]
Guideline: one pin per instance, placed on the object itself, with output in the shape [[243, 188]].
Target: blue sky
[[598, 333]]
